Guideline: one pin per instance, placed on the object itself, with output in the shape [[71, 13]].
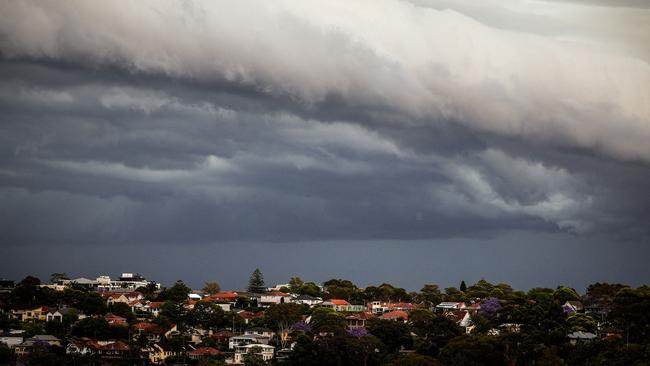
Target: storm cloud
[[201, 121]]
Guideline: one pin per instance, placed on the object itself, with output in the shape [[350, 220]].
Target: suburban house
[[11, 340], [82, 346], [450, 306], [153, 307], [41, 340], [573, 307], [113, 350], [396, 315], [248, 315], [157, 354], [275, 297], [38, 313], [380, 307], [358, 320], [56, 314], [242, 340], [343, 305], [115, 320], [153, 332], [264, 350], [581, 337], [471, 308], [227, 297], [265, 332], [203, 352], [124, 297], [307, 300]]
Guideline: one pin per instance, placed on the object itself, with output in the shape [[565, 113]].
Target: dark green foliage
[[253, 358], [433, 331], [336, 350], [208, 315], [327, 321], [310, 289], [96, 328], [463, 286], [413, 359], [6, 355], [473, 350], [173, 312], [256, 282], [123, 310], [395, 335], [90, 303], [564, 294], [176, 293], [339, 289], [430, 293]]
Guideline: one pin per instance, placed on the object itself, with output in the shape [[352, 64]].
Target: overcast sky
[[407, 142]]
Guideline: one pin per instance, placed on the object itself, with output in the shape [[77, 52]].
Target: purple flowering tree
[[490, 306], [358, 332], [301, 326]]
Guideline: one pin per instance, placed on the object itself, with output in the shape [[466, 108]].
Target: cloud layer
[[201, 121]]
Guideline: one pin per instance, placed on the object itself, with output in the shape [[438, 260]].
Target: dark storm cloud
[[309, 128]]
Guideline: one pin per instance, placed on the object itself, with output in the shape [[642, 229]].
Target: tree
[[393, 334], [254, 357], [208, 315], [564, 294], [96, 328], [283, 316], [340, 289], [176, 293], [26, 293], [453, 294], [58, 276], [123, 310], [211, 287], [328, 321], [433, 331], [473, 350], [582, 322], [490, 306], [295, 283], [256, 282], [430, 293], [174, 312], [310, 289], [463, 286], [413, 359]]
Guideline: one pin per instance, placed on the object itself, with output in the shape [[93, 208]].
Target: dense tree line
[[512, 327]]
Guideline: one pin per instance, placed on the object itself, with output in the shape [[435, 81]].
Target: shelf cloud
[[203, 121]]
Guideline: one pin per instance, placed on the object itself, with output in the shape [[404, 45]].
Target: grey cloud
[[163, 166], [451, 67], [289, 126]]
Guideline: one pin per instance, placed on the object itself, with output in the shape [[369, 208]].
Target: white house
[[264, 350], [307, 300], [450, 305], [275, 297]]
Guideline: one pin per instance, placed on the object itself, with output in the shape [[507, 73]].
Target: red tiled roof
[[360, 316], [277, 293], [339, 302], [401, 305], [397, 314], [225, 295], [250, 314], [155, 304], [456, 315], [205, 351], [150, 328]]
